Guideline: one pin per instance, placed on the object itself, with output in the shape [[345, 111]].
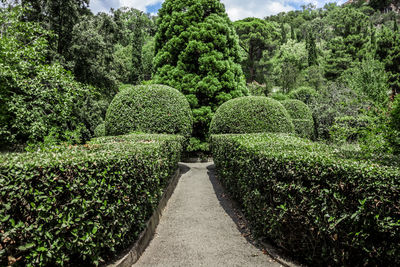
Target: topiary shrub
[[252, 114], [149, 109], [301, 117], [305, 94]]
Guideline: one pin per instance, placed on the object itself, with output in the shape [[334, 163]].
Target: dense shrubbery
[[79, 205], [301, 117], [313, 201], [305, 94], [100, 130], [39, 100], [149, 109], [252, 114], [394, 136]]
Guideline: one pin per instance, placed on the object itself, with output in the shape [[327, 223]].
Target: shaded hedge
[[315, 203], [149, 109], [252, 114], [301, 117], [78, 205]]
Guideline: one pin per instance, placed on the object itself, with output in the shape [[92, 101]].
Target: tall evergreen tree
[[283, 34], [312, 50], [292, 33], [255, 37], [137, 50], [388, 51], [197, 52], [59, 17]]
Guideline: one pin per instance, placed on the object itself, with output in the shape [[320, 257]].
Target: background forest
[[61, 65]]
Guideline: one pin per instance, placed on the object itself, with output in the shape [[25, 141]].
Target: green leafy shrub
[[320, 206], [38, 100], [197, 52], [79, 205], [278, 96], [251, 114], [100, 130], [394, 133], [349, 129], [305, 94], [301, 117], [149, 109], [256, 89]]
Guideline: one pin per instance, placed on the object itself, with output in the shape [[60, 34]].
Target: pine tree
[[197, 52]]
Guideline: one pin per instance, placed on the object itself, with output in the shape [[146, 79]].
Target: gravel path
[[198, 227]]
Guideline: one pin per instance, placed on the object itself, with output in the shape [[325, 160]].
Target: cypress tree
[[283, 34], [292, 33], [312, 50], [197, 52], [137, 47]]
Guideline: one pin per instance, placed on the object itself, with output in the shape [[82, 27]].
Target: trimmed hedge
[[150, 109], [301, 117], [315, 203], [251, 114], [81, 204]]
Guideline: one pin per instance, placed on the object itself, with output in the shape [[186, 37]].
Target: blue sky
[[236, 9]]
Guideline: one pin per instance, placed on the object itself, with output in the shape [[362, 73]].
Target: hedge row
[[81, 204], [312, 201]]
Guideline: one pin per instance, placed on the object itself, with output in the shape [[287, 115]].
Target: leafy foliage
[[197, 52], [319, 204], [149, 109], [38, 99], [79, 205], [305, 94], [255, 36], [251, 114], [301, 116]]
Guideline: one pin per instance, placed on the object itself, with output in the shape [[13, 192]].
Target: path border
[[132, 255]]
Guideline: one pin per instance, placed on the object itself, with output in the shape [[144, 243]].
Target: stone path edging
[[136, 250]]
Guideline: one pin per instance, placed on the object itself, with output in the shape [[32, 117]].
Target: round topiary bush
[[301, 117], [251, 114], [150, 109]]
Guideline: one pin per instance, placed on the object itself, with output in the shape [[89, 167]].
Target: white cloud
[[236, 9], [138, 4]]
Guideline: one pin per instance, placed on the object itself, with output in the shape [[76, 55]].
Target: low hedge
[[251, 114], [78, 205], [301, 117], [312, 201], [149, 108]]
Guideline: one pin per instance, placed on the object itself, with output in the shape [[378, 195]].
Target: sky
[[236, 9]]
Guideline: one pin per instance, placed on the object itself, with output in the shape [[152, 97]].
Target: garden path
[[199, 227]]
